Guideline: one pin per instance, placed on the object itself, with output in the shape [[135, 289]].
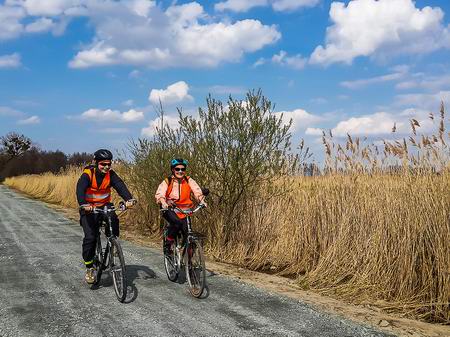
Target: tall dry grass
[[53, 188], [375, 229], [379, 239], [59, 189]]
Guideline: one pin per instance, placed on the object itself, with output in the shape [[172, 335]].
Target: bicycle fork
[[179, 248]]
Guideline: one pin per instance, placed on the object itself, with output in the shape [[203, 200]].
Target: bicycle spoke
[[98, 261], [195, 270], [171, 265], [117, 269]]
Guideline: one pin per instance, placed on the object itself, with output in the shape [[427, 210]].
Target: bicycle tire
[[195, 268], [98, 261], [170, 264], [118, 270]]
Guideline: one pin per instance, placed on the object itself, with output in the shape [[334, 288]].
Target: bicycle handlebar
[[108, 208], [189, 211], [104, 209]]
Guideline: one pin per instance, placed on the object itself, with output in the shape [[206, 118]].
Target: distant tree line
[[18, 156]]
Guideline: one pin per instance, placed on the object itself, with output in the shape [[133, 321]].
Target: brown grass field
[[379, 239], [375, 229]]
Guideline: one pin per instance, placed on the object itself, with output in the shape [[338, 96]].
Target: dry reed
[[375, 229], [369, 239]]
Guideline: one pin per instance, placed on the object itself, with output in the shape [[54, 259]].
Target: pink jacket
[[174, 195]]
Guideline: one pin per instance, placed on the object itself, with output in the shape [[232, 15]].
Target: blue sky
[[77, 75]]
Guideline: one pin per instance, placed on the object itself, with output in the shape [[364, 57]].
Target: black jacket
[[116, 183]]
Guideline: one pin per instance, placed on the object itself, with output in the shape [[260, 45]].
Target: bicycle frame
[[186, 248], [190, 234], [181, 246], [105, 213], [112, 252]]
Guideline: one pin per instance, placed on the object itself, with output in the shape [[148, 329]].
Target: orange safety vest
[[95, 195], [184, 200]]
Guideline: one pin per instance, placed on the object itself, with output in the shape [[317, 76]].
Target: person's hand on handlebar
[[164, 205], [130, 203], [87, 207], [203, 202]]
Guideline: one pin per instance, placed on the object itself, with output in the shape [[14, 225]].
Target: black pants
[[91, 224], [175, 224]]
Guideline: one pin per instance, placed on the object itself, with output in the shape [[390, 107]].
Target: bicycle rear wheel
[[195, 268], [98, 261], [117, 269], [171, 262]]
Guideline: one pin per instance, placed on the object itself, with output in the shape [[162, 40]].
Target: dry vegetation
[[53, 188], [374, 229]]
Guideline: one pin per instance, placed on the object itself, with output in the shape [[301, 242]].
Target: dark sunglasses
[[180, 169], [104, 163]]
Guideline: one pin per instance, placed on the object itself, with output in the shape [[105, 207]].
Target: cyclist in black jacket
[[94, 190]]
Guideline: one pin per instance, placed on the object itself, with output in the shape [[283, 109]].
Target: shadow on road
[[139, 272], [133, 272]]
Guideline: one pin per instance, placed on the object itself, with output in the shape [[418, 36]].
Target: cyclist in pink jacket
[[177, 190]]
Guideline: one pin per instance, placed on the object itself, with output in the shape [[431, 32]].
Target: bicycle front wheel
[[195, 268], [171, 262], [117, 269], [98, 261]]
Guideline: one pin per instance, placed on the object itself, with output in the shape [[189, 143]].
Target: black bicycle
[[109, 255], [188, 253]]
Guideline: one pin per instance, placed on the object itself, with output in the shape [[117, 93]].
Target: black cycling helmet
[[178, 161], [102, 154]]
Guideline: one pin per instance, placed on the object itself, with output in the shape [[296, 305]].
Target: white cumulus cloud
[[109, 115], [10, 22], [181, 35], [381, 123], [296, 62], [376, 124], [150, 130], [314, 132], [98, 55], [141, 7], [40, 25], [18, 17], [10, 61], [174, 93], [48, 7], [381, 28], [301, 119]]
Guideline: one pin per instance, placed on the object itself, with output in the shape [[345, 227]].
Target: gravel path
[[42, 292]]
